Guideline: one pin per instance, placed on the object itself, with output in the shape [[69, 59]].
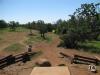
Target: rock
[[43, 63]]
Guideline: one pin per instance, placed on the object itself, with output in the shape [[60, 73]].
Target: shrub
[[3, 24], [70, 39]]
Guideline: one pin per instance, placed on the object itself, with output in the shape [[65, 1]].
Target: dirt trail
[[51, 52]]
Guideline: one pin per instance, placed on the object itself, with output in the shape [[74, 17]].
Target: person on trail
[[92, 68], [30, 48]]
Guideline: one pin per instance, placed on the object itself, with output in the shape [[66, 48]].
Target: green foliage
[[62, 27], [49, 27], [14, 47], [48, 39], [21, 29], [70, 39], [3, 24], [41, 26], [91, 46], [83, 25], [13, 25]]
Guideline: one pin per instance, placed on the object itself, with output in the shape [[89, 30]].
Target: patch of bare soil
[[51, 53], [12, 37]]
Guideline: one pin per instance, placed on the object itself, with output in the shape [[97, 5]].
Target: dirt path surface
[[51, 53], [50, 71]]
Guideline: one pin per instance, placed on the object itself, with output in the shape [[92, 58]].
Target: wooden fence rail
[[86, 60], [8, 60], [65, 55], [81, 59]]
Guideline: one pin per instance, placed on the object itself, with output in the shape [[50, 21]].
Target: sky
[[25, 11]]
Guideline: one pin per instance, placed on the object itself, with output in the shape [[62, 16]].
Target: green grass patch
[[2, 31], [14, 47], [49, 38], [19, 29], [94, 43], [37, 38], [90, 46], [0, 38]]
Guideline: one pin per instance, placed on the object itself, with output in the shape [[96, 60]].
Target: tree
[[13, 25], [49, 27], [42, 28], [83, 25], [3, 24], [90, 16], [34, 25], [70, 40], [62, 27], [30, 28]]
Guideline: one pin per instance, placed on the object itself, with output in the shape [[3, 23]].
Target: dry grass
[[16, 47]]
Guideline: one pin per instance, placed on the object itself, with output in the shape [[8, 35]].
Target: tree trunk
[[43, 36]]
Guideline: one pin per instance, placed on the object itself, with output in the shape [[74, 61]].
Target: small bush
[[70, 39]]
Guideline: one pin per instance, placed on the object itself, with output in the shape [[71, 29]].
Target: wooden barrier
[[97, 58], [86, 60], [8, 60], [65, 55], [4, 59], [22, 57]]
